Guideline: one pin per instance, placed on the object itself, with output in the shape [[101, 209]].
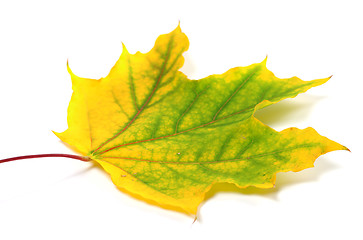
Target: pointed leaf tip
[[124, 49], [178, 28], [73, 76], [69, 69]]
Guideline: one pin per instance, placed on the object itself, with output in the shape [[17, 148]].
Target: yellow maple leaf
[[168, 139]]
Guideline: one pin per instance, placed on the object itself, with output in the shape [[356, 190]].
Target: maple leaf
[[168, 139]]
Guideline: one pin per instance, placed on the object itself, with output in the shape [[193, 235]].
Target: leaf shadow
[[284, 180], [288, 111], [79, 173], [189, 66]]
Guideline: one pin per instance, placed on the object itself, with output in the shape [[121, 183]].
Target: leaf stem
[[85, 159]]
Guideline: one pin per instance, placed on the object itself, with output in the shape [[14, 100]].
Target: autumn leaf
[[168, 139]]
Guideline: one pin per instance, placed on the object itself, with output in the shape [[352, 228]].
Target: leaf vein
[[185, 112], [234, 93], [175, 134], [146, 102], [131, 83], [215, 161]]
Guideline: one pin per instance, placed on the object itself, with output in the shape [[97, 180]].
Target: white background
[[67, 199]]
